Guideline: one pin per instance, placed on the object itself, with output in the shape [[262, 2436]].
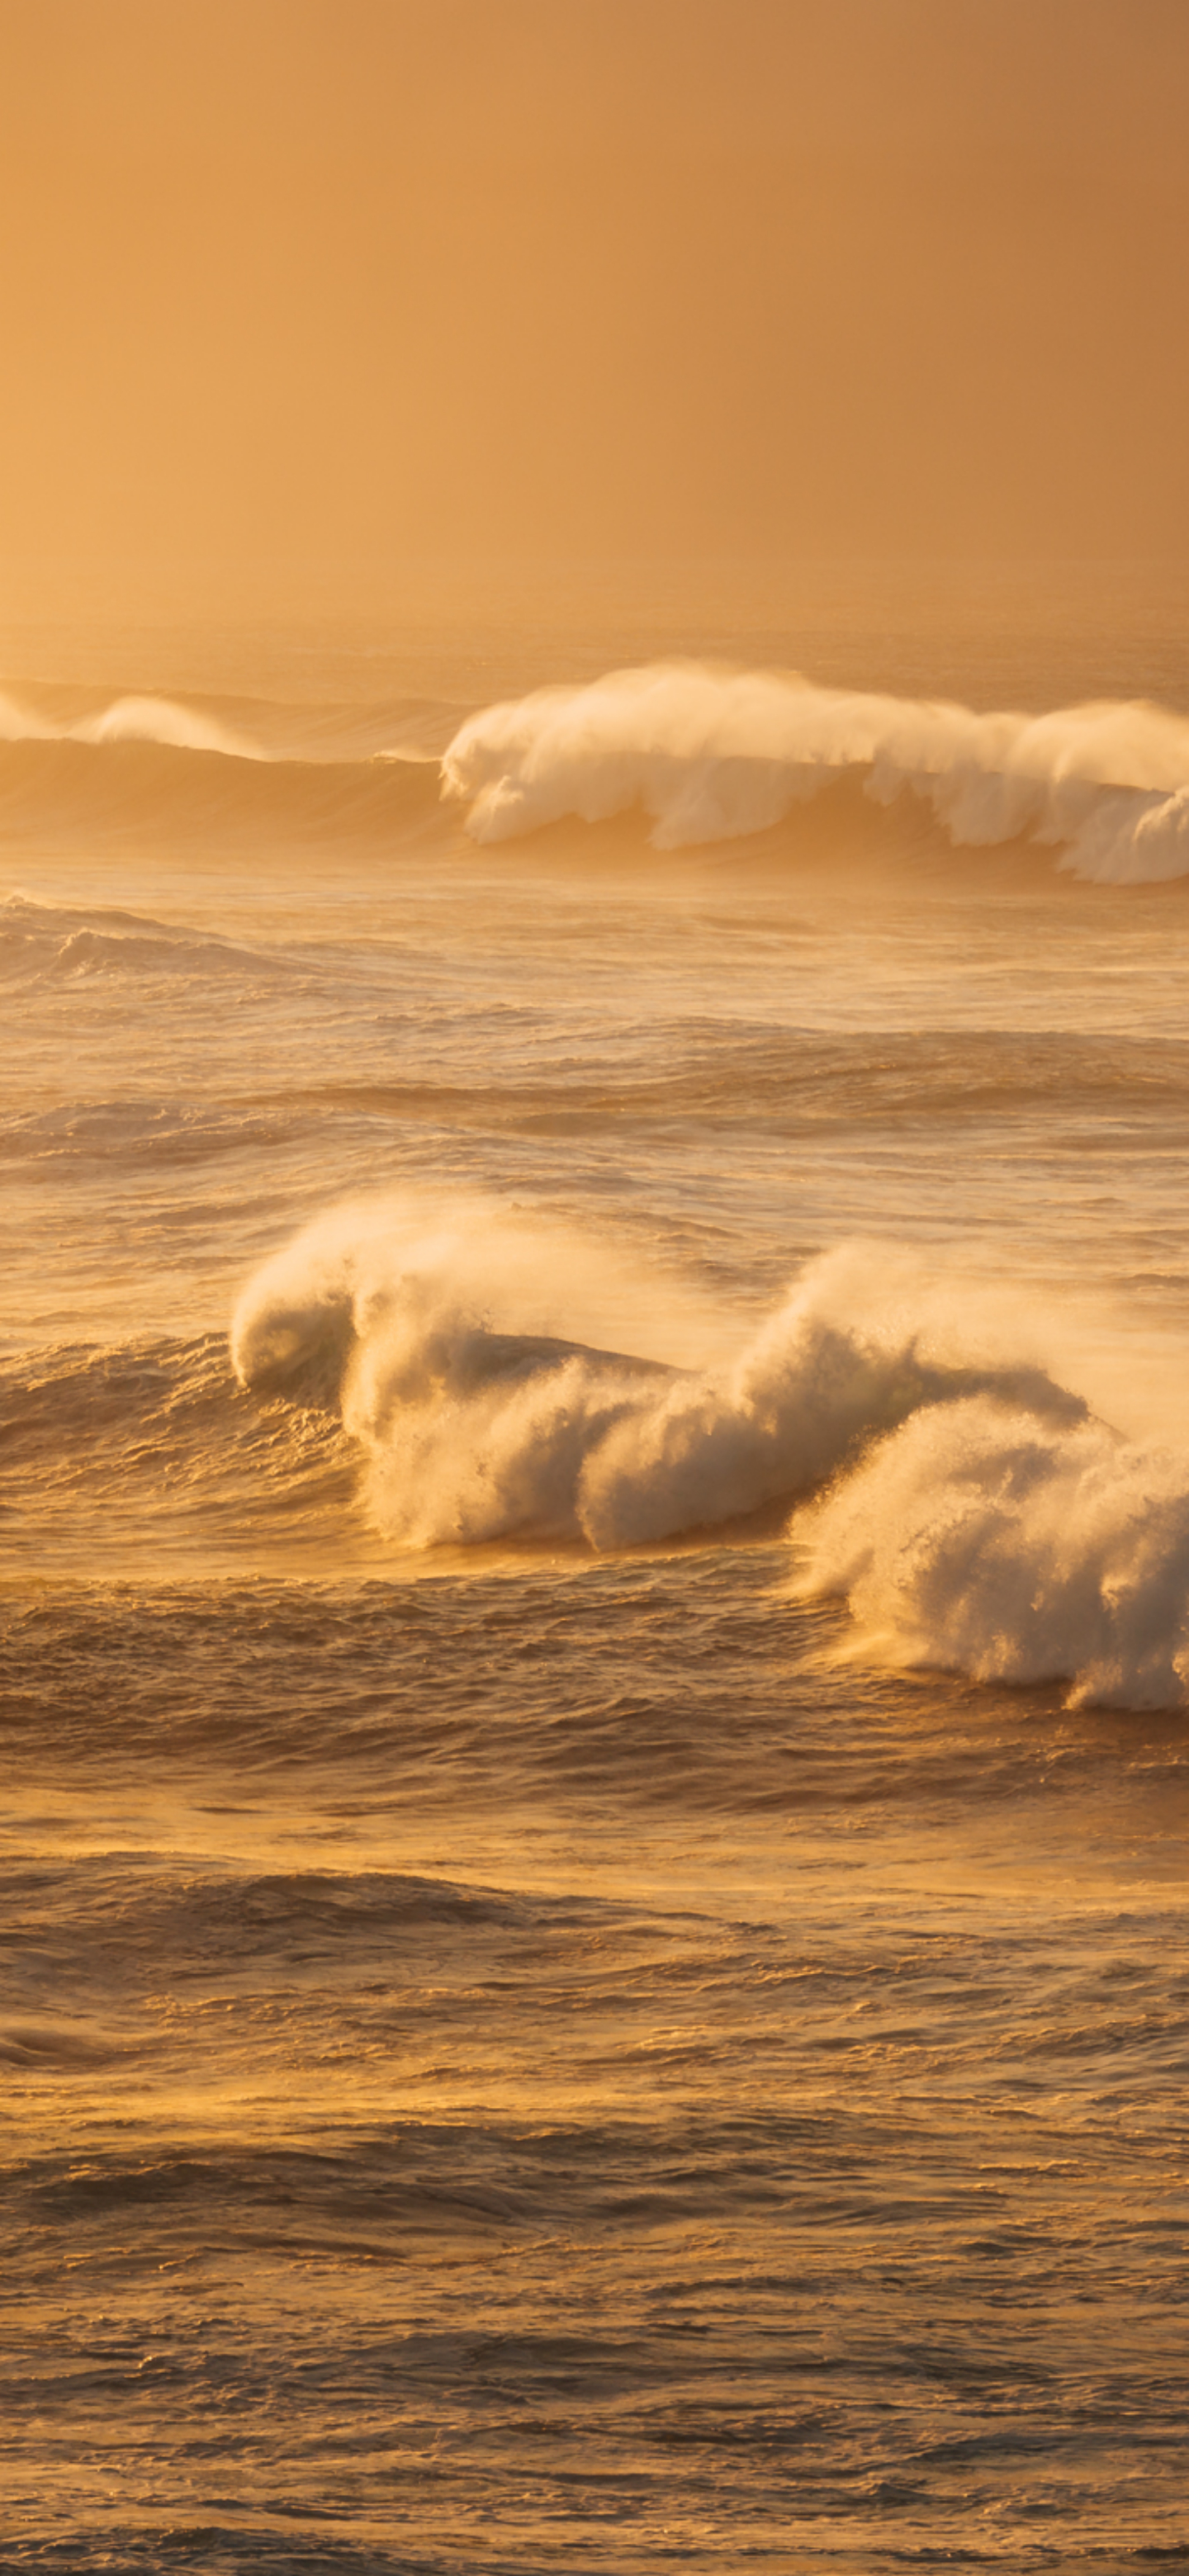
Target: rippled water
[[595, 1626]]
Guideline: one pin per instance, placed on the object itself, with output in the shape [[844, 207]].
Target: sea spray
[[711, 755], [974, 1511], [704, 756], [987, 1540], [474, 1428], [167, 721]]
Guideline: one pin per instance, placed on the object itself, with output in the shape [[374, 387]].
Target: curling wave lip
[[473, 1430]]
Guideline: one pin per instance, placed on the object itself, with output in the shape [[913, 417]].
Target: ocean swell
[[711, 755], [138, 785]]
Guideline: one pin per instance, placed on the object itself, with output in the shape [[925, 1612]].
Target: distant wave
[[132, 719], [713, 755]]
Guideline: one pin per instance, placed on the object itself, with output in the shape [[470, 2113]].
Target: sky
[[379, 278]]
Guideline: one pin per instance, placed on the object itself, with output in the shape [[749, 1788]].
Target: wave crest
[[712, 755], [477, 1425], [973, 1510], [1014, 1549], [133, 719]]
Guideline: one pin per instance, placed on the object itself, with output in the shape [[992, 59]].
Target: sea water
[[596, 1595]]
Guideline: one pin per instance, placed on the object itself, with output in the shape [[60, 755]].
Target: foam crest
[[972, 1508], [989, 1541], [711, 755], [478, 1420]]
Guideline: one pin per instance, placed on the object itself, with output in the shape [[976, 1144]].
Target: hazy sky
[[320, 277]]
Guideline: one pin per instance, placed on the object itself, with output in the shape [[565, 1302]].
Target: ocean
[[595, 1601]]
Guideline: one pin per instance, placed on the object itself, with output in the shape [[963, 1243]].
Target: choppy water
[[595, 1621]]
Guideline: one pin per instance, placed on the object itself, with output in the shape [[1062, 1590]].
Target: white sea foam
[[986, 1540], [710, 755], [975, 1510], [477, 1420]]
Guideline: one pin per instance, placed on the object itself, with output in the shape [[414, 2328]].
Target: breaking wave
[[702, 756], [479, 1420], [976, 1512], [711, 755], [986, 1540]]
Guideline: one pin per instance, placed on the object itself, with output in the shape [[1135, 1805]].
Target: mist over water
[[595, 1620]]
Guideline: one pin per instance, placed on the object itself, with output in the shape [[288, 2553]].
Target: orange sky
[[379, 277]]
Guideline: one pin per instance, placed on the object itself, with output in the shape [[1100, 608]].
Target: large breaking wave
[[703, 756], [480, 1420], [712, 755], [975, 1510]]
